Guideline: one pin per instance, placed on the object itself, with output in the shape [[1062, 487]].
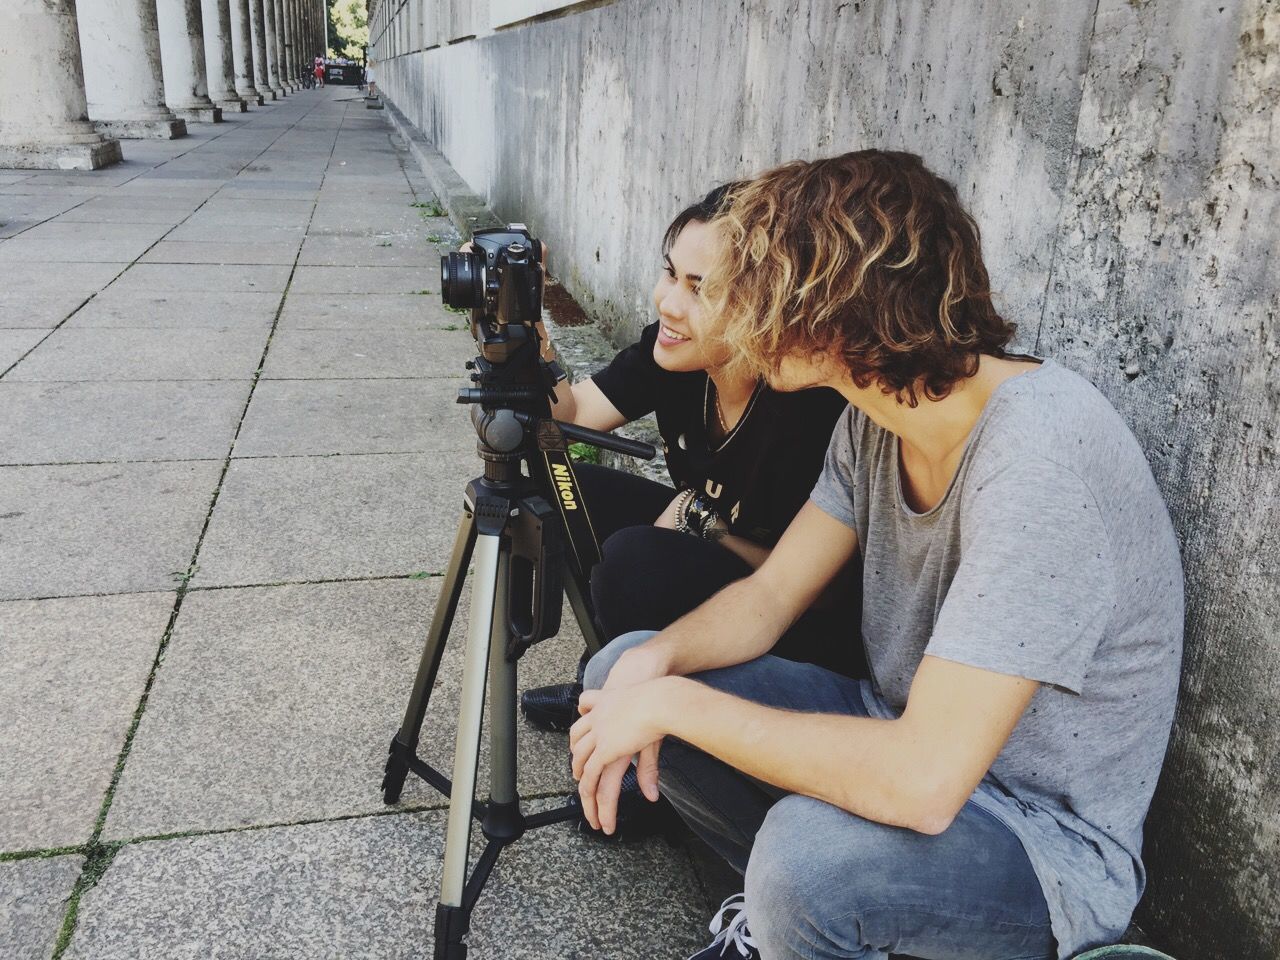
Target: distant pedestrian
[[319, 71], [372, 90]]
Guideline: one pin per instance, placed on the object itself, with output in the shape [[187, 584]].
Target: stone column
[[258, 32], [182, 55], [242, 53], [220, 71], [122, 76], [44, 118], [282, 61], [295, 38], [273, 48]]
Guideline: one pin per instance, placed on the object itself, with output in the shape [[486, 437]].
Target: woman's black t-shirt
[[761, 474]]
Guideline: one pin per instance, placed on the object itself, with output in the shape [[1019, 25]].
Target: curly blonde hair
[[868, 254]]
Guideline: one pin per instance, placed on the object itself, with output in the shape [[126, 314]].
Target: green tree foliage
[[348, 29]]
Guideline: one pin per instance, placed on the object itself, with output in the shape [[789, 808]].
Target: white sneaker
[[732, 938]]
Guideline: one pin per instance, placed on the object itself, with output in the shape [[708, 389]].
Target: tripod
[[528, 554]]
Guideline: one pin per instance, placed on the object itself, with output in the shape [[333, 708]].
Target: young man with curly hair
[[983, 794]]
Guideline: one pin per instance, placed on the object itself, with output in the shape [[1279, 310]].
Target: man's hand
[[616, 725]]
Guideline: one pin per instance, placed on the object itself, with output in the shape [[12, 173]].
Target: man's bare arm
[[915, 772]]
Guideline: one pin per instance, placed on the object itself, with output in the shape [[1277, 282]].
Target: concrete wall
[[1121, 157]]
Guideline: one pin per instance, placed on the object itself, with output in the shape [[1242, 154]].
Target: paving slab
[[71, 674], [33, 899], [367, 888], [367, 311], [218, 309], [151, 277], [39, 279], [24, 250], [119, 210], [168, 217], [367, 279], [133, 354], [405, 249], [259, 206], [317, 417], [111, 528], [342, 354], [203, 761], [21, 212], [92, 422], [355, 219], [324, 518], [188, 251], [39, 311], [69, 232], [249, 219], [232, 233], [14, 343]]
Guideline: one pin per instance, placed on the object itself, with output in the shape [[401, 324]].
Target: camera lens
[[459, 275]]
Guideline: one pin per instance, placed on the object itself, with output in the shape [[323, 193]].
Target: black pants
[[648, 577]]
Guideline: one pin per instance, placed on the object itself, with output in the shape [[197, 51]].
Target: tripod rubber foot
[[452, 924], [394, 773]]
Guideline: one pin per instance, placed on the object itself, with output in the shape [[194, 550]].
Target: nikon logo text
[[564, 485]]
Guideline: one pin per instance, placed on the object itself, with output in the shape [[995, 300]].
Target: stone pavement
[[230, 468]]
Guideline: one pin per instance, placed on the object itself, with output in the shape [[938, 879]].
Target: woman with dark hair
[[742, 460]]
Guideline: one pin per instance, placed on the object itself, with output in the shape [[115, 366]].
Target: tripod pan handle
[[605, 441]]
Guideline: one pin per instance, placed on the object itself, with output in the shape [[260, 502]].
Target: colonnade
[[77, 77]]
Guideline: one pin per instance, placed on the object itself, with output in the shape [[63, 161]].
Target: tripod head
[[500, 281]]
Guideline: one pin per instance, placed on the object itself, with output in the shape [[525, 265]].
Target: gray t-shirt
[[1051, 556]]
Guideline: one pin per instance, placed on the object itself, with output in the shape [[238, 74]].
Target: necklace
[[724, 427]]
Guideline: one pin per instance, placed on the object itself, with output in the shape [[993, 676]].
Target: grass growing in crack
[[15, 855], [452, 309], [97, 858], [428, 208], [184, 576]]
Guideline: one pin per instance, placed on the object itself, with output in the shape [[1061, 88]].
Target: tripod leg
[[502, 714], [490, 568], [581, 606], [406, 740]]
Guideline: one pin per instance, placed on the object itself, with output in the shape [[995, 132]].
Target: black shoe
[[638, 816], [552, 708], [732, 938]]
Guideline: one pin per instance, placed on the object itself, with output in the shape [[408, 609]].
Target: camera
[[500, 282]]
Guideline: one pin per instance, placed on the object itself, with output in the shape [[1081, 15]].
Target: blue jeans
[[823, 883]]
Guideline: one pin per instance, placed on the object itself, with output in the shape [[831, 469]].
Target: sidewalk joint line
[[99, 854]]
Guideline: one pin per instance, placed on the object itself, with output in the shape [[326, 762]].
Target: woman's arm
[[583, 404], [748, 550]]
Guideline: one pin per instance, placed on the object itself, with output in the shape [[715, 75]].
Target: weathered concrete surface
[[202, 761], [273, 702], [365, 888], [1121, 158], [71, 529], [33, 895], [71, 673], [1165, 290]]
